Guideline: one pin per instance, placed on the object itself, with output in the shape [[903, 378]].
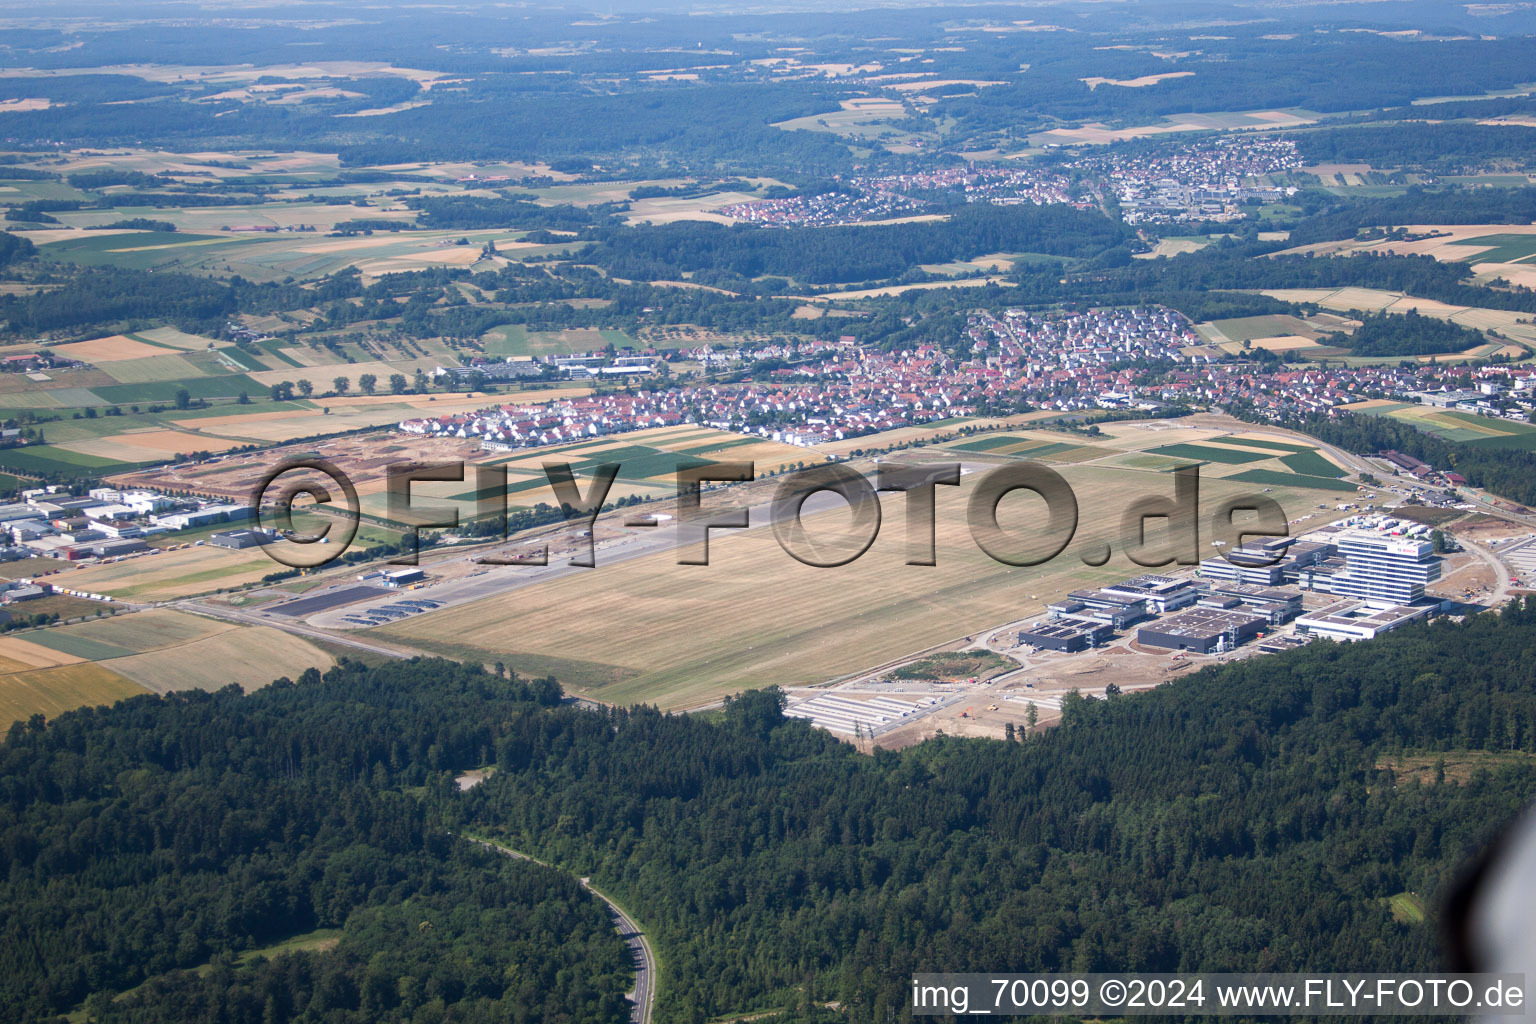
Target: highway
[[644, 993]]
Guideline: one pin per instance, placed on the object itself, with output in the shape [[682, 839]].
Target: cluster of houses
[[35, 362], [1143, 358], [1502, 391], [839, 390], [1209, 181], [105, 523], [1192, 181], [825, 210]]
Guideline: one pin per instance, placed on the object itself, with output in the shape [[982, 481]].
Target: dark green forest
[[836, 255], [1406, 334], [154, 842], [1245, 818]]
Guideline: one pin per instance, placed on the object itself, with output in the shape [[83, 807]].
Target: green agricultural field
[[273, 350], [1461, 427], [84, 647], [1506, 248], [1512, 442], [1205, 453], [1276, 479], [165, 391], [247, 361], [1311, 464], [137, 250], [517, 340], [21, 191], [1041, 447], [1247, 328], [151, 369], [1278, 446], [48, 459], [986, 444]]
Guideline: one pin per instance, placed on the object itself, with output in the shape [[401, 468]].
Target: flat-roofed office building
[[1385, 570]]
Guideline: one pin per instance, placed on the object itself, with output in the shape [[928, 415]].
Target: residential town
[[1143, 359], [1209, 180]]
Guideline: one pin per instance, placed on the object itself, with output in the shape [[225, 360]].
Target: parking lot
[[1520, 556], [401, 609]]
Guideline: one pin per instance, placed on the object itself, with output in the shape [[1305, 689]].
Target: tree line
[[1254, 816], [153, 845]]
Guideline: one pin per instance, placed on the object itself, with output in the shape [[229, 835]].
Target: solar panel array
[[843, 715]]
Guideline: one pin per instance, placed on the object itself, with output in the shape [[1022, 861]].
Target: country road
[[249, 618], [644, 994]]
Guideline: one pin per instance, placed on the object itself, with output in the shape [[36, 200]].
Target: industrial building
[[1163, 594], [1358, 620], [1120, 610], [1256, 564], [509, 370], [1067, 634], [205, 516], [1279, 604], [1203, 630], [403, 577], [10, 514], [238, 539]]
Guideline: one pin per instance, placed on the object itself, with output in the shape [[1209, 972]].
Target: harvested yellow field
[[148, 445], [1486, 319], [251, 656], [303, 424], [165, 366], [1284, 343], [941, 83], [458, 256], [106, 350], [650, 630], [1135, 83], [903, 435], [1444, 245], [149, 630], [1171, 247], [22, 105], [1367, 299], [1521, 275], [1445, 421], [171, 574], [53, 691], [235, 420], [1425, 307], [1375, 300], [180, 339], [765, 455], [20, 654], [322, 375], [899, 289]]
